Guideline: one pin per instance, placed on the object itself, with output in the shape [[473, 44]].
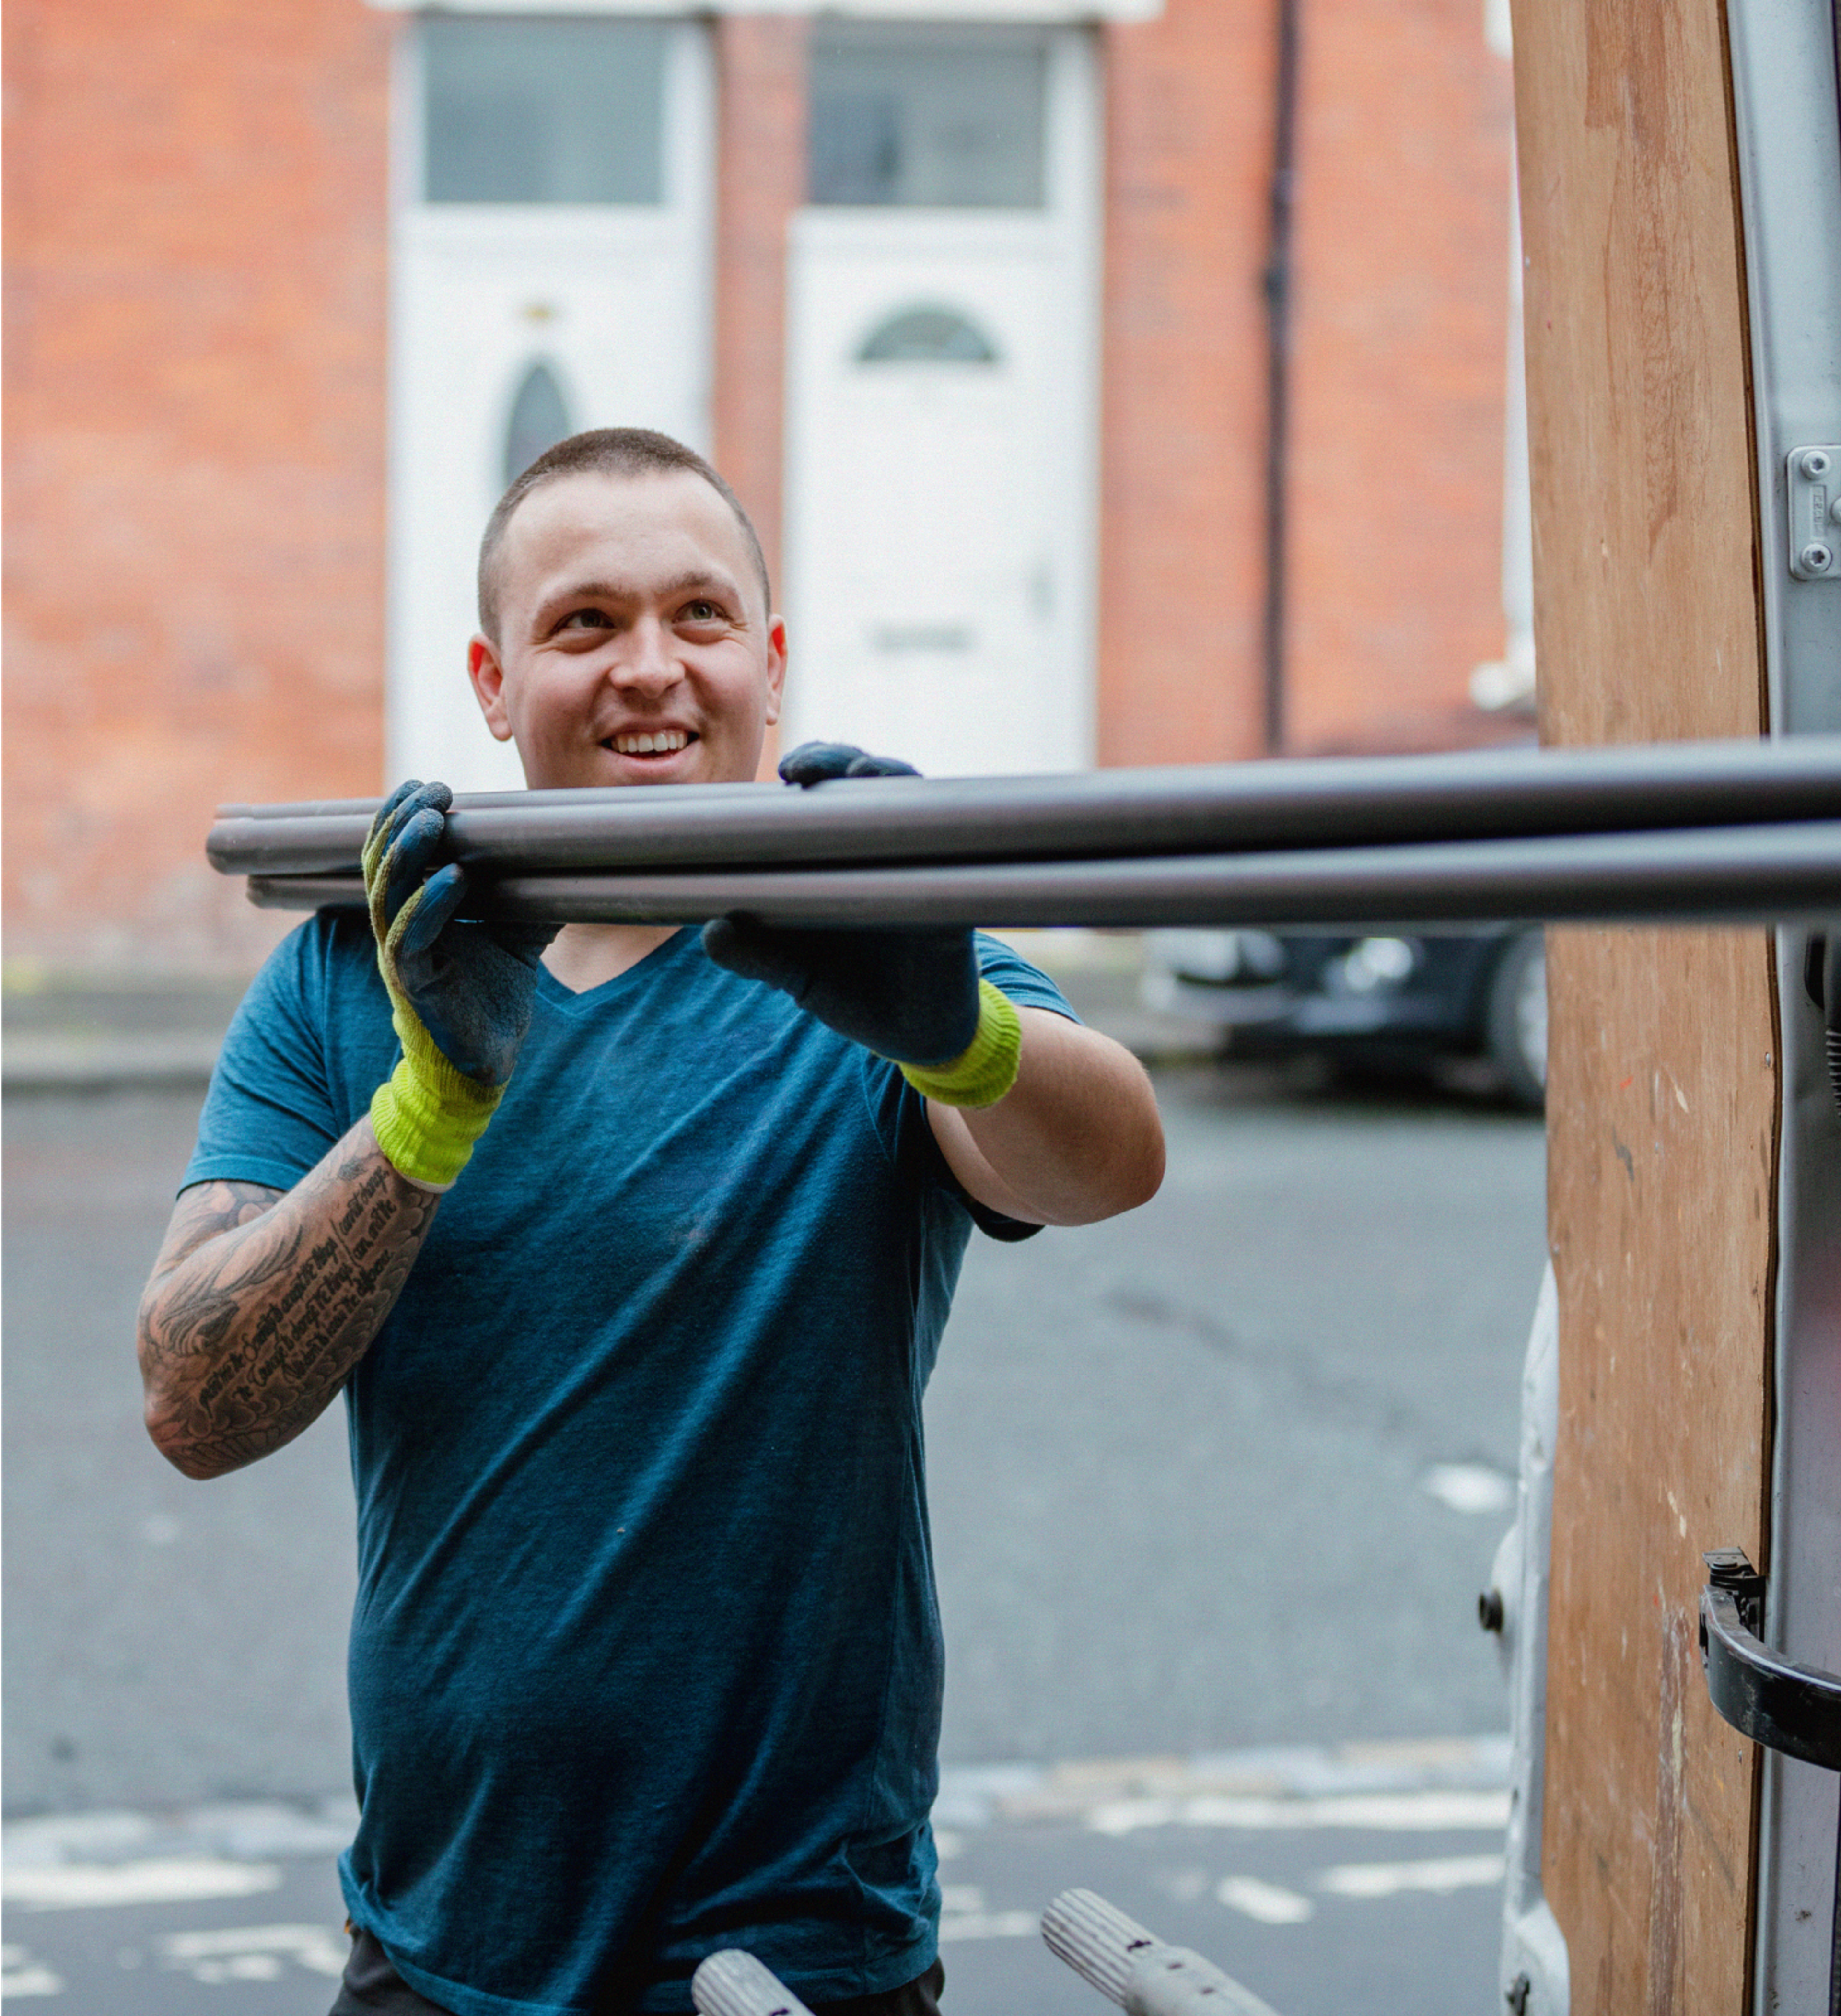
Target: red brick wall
[[196, 240], [761, 69], [197, 246], [1188, 139], [1401, 352], [760, 183], [1399, 331]]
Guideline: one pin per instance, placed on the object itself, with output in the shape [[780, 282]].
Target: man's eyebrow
[[626, 591]]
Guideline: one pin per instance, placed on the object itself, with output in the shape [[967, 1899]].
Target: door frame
[[688, 193]]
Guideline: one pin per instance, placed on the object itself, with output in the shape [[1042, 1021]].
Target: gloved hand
[[460, 994], [911, 995]]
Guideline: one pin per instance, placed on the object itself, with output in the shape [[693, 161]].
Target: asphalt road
[[1226, 1473]]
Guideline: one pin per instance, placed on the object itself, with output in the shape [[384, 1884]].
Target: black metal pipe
[[1728, 875], [1098, 814]]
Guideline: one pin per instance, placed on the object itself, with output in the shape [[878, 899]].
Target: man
[[631, 1268]]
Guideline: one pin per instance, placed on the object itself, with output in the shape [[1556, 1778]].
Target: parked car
[[1380, 1000]]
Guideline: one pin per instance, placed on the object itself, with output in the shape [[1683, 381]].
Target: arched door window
[[539, 419], [926, 336]]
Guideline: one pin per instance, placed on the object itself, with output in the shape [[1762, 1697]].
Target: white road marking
[[21, 1975], [30, 1981], [74, 1886], [1389, 1879], [1185, 1885], [963, 1916], [239, 1831], [1383, 1812], [1265, 1901], [976, 1796], [1468, 1487], [71, 1836], [973, 1794], [256, 1952], [989, 1925]]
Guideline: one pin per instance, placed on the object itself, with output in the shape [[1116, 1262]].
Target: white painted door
[[551, 272], [942, 423]]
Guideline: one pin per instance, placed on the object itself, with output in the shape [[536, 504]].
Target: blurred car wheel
[[1515, 1027]]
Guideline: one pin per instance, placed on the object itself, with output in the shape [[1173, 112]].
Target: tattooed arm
[[261, 1301]]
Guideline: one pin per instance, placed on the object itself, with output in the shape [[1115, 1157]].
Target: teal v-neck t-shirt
[[645, 1659]]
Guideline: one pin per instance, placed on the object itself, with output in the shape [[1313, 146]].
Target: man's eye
[[586, 619], [702, 610]]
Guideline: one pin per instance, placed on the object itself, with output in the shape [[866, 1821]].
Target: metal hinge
[[1727, 1569], [1812, 518], [1772, 1699]]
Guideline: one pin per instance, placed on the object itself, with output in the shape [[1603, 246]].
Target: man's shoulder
[[327, 964]]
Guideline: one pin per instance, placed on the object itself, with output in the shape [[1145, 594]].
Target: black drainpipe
[[1277, 288]]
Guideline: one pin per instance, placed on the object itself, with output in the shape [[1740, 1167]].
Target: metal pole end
[[734, 1983], [1096, 1939]]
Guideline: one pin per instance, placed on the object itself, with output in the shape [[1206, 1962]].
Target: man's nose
[[648, 665]]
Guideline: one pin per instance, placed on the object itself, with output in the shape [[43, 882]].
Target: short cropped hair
[[603, 451]]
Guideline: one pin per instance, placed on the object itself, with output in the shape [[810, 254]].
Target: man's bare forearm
[[261, 1302], [1077, 1138]]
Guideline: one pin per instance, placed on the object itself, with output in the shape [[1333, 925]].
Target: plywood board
[[1663, 1077]]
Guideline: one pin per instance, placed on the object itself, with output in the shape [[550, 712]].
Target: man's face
[[634, 647]]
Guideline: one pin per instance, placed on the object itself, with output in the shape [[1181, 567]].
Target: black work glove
[[910, 993], [460, 994], [470, 986]]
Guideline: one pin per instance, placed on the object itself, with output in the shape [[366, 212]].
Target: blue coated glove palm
[[909, 994]]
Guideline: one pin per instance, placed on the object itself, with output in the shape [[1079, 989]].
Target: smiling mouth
[[660, 742]]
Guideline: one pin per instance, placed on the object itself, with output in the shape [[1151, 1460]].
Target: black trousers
[[373, 1987]]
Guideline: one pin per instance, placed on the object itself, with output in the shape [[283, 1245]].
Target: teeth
[[664, 743]]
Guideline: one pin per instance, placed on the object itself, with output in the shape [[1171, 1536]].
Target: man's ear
[[776, 666], [488, 675]]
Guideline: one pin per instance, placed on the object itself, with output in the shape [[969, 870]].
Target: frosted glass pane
[[532, 109], [539, 419], [927, 336], [927, 117]]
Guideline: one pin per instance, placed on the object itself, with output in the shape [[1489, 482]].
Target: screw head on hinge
[[1814, 462], [1816, 557], [1729, 1568]]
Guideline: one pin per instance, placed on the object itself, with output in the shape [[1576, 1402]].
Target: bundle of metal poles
[[1726, 832]]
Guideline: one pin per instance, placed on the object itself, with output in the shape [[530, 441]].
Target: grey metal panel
[[1789, 149], [1533, 1968]]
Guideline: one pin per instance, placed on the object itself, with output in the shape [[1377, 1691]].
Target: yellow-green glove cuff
[[427, 1115], [987, 1069]]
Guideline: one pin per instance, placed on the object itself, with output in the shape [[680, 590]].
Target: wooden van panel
[[1663, 1098]]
